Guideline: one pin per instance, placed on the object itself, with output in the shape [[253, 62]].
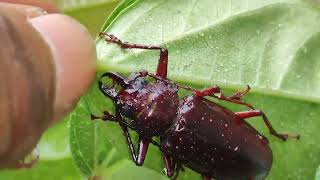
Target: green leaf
[[54, 143], [87, 140], [91, 13], [62, 169], [318, 174], [271, 45], [126, 169]]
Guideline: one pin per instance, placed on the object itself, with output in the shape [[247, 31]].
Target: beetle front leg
[[169, 166], [143, 142], [143, 149], [163, 59], [255, 113], [129, 142]]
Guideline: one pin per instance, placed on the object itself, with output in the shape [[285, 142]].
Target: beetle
[[194, 131]]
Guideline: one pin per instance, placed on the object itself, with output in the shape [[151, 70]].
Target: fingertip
[[75, 56]]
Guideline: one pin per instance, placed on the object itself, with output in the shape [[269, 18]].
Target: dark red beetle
[[194, 131]]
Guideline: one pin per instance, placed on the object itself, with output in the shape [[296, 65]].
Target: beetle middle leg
[[255, 113], [163, 60]]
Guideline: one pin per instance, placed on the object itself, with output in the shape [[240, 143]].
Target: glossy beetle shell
[[152, 106], [211, 140]]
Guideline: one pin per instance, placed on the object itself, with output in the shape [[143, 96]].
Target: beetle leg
[[255, 113], [235, 98], [124, 126], [239, 94], [143, 149], [163, 60], [129, 142], [106, 117], [178, 168], [168, 165], [109, 117]]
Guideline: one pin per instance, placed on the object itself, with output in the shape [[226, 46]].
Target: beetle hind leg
[[255, 113]]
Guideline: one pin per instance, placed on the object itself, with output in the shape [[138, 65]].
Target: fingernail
[[74, 53]]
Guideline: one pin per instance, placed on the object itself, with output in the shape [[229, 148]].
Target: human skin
[[47, 61]]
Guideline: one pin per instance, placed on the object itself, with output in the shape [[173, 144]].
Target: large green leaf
[[54, 143], [88, 144], [125, 169], [62, 169], [91, 13], [269, 44]]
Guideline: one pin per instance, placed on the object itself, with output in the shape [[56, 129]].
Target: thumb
[[33, 63]]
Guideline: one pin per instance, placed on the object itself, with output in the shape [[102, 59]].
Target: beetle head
[[134, 82]]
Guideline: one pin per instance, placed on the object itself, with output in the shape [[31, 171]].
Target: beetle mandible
[[194, 132]]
